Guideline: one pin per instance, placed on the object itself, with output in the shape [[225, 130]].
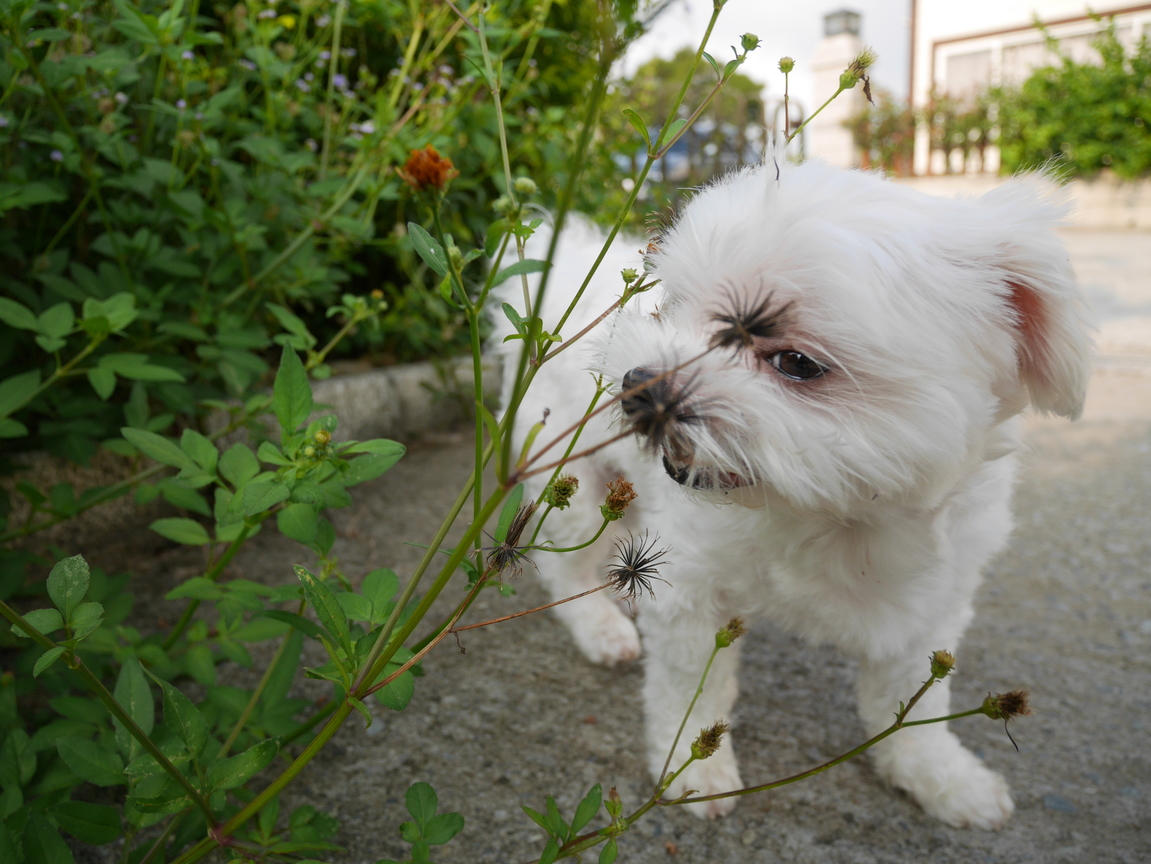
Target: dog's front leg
[[678, 639], [945, 778]]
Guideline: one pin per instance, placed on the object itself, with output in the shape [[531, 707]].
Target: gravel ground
[[1066, 613]]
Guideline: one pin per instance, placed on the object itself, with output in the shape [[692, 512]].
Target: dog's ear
[[1046, 310]]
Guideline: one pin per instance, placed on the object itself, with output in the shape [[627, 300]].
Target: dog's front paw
[[716, 774], [950, 783], [605, 635]]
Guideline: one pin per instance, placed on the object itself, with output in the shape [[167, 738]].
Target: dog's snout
[[644, 399]]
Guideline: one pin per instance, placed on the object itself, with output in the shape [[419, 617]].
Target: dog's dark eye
[[796, 365]]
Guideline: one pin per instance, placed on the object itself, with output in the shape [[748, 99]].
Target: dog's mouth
[[681, 472]]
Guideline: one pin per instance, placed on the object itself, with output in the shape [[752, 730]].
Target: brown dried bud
[[729, 633], [427, 169], [1004, 706], [620, 493], [709, 740]]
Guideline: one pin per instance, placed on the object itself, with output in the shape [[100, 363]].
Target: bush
[[1083, 116], [183, 188]]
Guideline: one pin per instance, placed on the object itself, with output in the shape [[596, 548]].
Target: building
[[959, 49]]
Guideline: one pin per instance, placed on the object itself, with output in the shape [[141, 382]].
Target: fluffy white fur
[[866, 501]]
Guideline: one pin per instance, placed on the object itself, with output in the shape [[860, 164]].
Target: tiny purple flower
[[325, 55], [266, 14], [303, 85], [311, 144], [323, 21], [347, 52], [249, 65], [181, 104], [56, 156], [308, 76], [367, 127], [3, 121], [340, 82], [121, 98], [199, 115], [188, 55]]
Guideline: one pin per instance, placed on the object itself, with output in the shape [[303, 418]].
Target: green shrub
[[207, 176], [1084, 117]]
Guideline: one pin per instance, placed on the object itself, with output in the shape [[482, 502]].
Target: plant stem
[[333, 65], [664, 781], [212, 575]]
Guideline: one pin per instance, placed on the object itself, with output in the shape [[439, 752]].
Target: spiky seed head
[[742, 322], [638, 563], [709, 739]]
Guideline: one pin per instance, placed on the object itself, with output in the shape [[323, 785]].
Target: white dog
[[835, 367]]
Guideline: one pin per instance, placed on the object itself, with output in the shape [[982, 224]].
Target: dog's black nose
[[644, 400]]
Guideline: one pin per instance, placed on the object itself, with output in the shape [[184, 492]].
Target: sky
[[786, 29]]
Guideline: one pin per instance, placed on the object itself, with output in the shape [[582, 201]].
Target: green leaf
[[57, 321], [239, 769], [68, 583], [714, 64], [421, 801], [307, 627], [264, 495], [528, 265], [200, 663], [551, 851], [137, 368], [85, 619], [559, 828], [587, 808], [202, 450], [10, 428], [637, 123], [17, 390], [428, 248], [379, 587], [44, 620], [358, 608], [369, 467], [43, 844], [183, 718], [47, 659], [186, 531], [135, 697], [508, 513], [291, 393], [674, 129], [158, 447], [103, 381], [91, 823], [535, 816], [328, 609], [398, 693], [17, 315], [609, 851], [182, 496], [298, 522], [363, 709], [238, 465], [89, 761], [443, 828]]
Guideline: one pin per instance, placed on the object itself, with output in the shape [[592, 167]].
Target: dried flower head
[[638, 560], [942, 662], [1004, 706], [657, 410], [745, 322], [620, 493], [729, 633], [427, 170], [560, 491], [508, 555], [857, 71], [709, 740]]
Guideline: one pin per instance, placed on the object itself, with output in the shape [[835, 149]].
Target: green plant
[[885, 132], [1081, 116]]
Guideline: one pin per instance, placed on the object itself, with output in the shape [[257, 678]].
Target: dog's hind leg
[[601, 629]]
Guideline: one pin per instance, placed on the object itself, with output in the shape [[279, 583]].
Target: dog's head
[[831, 338]]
